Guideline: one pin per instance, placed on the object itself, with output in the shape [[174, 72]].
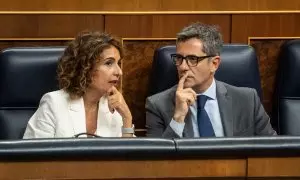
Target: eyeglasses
[[191, 60]]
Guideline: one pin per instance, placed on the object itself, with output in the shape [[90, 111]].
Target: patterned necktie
[[204, 124]]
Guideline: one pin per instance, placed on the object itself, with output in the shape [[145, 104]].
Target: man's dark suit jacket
[[242, 113]]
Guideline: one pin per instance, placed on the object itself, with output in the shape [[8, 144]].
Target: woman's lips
[[114, 82]]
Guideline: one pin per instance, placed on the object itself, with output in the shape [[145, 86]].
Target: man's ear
[[215, 63]]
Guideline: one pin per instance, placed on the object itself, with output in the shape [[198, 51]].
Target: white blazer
[[58, 116]]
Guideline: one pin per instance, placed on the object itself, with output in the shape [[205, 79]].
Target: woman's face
[[107, 72]]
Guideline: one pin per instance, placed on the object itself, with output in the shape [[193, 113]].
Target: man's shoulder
[[241, 94], [242, 97], [166, 95], [235, 89]]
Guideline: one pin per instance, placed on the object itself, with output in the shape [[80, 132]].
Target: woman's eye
[[109, 63]]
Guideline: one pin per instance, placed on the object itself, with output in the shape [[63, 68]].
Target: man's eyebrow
[[193, 55]]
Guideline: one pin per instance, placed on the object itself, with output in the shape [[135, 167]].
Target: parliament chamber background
[[145, 25]]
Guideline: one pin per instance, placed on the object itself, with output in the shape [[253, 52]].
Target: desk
[[98, 169], [274, 167], [233, 158]]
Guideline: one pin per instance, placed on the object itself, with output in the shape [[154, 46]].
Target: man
[[200, 106]]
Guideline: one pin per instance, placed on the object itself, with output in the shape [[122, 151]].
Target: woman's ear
[[93, 75]]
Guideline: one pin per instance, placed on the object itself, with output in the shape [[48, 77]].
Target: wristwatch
[[128, 130]]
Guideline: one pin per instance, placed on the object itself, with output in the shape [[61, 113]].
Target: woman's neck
[[91, 99]]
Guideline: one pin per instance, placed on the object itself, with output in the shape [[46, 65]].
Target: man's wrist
[[179, 118], [177, 127]]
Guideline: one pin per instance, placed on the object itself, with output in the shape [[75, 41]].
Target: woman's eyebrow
[[109, 58]]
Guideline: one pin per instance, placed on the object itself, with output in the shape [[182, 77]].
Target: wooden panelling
[[48, 26], [123, 169], [274, 178], [160, 26], [274, 167], [150, 5], [249, 168], [136, 70], [267, 51], [269, 25], [31, 43]]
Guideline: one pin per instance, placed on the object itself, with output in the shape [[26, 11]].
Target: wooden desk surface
[[123, 169], [113, 158]]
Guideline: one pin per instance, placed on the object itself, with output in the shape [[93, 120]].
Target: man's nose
[[183, 65]]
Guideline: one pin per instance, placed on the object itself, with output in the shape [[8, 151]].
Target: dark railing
[[149, 148]]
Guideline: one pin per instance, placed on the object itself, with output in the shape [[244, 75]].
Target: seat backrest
[[25, 75], [239, 67], [288, 89]]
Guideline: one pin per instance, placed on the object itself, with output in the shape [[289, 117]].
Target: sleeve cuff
[[177, 127]]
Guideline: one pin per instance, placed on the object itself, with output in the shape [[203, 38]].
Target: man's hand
[[184, 99]]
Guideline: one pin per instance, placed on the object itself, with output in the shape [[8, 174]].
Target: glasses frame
[[199, 58]]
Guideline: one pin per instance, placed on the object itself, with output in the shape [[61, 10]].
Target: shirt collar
[[211, 91]]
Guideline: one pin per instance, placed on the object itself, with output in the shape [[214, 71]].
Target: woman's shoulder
[[58, 95]]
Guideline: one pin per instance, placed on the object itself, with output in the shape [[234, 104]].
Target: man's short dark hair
[[209, 35]]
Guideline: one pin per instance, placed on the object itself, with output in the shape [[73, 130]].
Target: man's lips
[[188, 77]]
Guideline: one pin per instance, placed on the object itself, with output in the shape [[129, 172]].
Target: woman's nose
[[119, 70]]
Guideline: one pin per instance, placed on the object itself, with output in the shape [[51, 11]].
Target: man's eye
[[192, 58], [178, 57]]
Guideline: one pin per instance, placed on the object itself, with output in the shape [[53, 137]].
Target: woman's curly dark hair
[[80, 58]]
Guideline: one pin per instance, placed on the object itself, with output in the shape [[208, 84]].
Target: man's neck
[[201, 89]]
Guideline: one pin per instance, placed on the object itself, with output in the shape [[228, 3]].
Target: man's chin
[[188, 85]]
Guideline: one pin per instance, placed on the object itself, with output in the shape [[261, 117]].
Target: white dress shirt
[[212, 109]]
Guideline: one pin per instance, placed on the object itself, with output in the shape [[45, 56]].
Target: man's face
[[200, 76]]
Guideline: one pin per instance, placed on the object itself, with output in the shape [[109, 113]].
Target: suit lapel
[[225, 107], [77, 115]]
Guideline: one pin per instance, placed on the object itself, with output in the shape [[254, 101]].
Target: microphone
[[88, 134]]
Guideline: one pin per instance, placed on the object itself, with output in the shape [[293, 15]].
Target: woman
[[88, 101]]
